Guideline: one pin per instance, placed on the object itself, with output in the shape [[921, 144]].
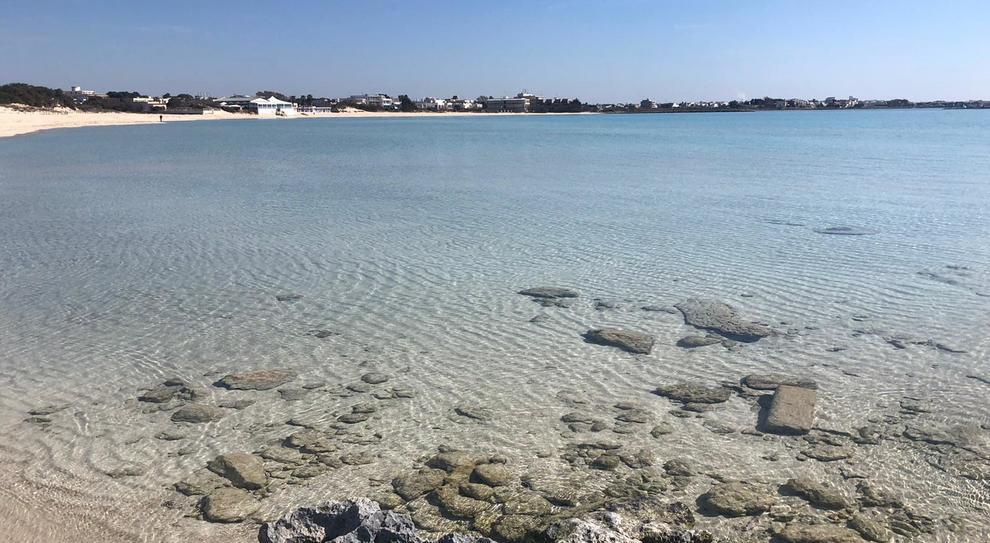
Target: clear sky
[[603, 51]]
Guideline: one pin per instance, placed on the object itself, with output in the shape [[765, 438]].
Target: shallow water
[[129, 255]]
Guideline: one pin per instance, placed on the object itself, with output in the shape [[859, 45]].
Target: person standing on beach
[[161, 119]]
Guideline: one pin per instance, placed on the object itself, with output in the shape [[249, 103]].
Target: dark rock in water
[[737, 499], [474, 412], [173, 389], [874, 496], [845, 231], [691, 342], [235, 403], [659, 309], [310, 441], [540, 318], [243, 470], [493, 475], [228, 505], [870, 529], [288, 297], [633, 342], [722, 319], [457, 462], [374, 378], [292, 394], [694, 393], [353, 418], [352, 521], [197, 413], [792, 411], [256, 380], [678, 467], [48, 410], [817, 494], [415, 484], [770, 381], [549, 292], [323, 333], [602, 305], [817, 533], [827, 453]]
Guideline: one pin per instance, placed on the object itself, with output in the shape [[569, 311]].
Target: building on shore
[[431, 104], [379, 100], [507, 105], [235, 103], [271, 107]]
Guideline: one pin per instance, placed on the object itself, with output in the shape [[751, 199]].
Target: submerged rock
[[243, 470], [737, 499], [693, 342], [197, 413], [172, 389], [475, 412], [288, 297], [549, 292], [792, 410], [722, 319], [415, 484], [633, 342], [816, 493], [256, 380], [692, 393], [228, 505], [374, 378], [770, 381], [493, 474], [352, 521]]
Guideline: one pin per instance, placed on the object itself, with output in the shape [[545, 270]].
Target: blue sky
[[601, 51]]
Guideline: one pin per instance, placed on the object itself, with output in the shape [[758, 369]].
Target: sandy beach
[[18, 121]]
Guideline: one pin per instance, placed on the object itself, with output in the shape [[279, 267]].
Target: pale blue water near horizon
[[133, 254]]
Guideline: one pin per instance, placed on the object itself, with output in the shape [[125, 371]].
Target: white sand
[[16, 121]]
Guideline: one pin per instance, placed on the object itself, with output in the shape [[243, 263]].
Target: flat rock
[[288, 297], [817, 493], [475, 412], [722, 319], [170, 390], [456, 461], [549, 292], [256, 380], [737, 499], [629, 341], [197, 413], [694, 393], [870, 529], [374, 378], [243, 470], [792, 411], [693, 342], [818, 533], [415, 484], [352, 521], [493, 474], [770, 381], [229, 505]]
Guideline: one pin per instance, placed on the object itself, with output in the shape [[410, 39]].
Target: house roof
[[271, 100]]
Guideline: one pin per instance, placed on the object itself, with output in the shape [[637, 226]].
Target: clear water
[[132, 254]]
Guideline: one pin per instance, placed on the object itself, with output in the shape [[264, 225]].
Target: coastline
[[18, 122]]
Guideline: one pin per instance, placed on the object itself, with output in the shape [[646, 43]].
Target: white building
[[270, 107], [431, 104]]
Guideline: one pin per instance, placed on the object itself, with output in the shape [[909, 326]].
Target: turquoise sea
[[131, 255]]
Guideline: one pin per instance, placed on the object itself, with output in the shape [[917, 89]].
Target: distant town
[[273, 103]]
